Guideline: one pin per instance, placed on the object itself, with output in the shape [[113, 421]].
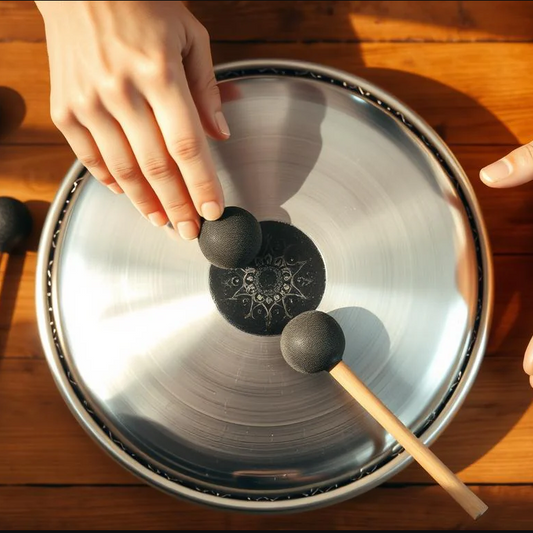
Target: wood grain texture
[[466, 100], [367, 21], [20, 21], [328, 20], [45, 443], [142, 508], [465, 67]]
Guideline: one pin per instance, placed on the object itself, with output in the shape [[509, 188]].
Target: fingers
[[122, 143], [198, 65], [185, 140], [145, 135], [122, 164], [85, 149], [109, 156], [514, 169], [157, 166]]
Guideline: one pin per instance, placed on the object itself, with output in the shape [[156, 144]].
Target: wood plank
[[455, 87], [487, 442], [328, 20], [20, 21], [142, 508], [366, 21], [32, 174]]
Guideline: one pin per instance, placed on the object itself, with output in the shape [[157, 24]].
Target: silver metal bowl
[[154, 369]]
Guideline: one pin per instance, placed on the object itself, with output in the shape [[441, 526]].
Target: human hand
[[134, 93], [516, 168]]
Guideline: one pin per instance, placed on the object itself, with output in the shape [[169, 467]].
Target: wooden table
[[468, 69]]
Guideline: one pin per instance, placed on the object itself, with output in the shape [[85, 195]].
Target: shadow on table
[[13, 271]]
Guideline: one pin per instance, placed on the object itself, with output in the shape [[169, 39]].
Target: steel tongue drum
[[346, 213]]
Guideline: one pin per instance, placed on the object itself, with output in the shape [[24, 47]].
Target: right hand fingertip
[[496, 172], [222, 124], [516, 168], [188, 230], [211, 210], [158, 219]]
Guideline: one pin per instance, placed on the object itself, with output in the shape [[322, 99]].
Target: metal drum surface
[[175, 367]]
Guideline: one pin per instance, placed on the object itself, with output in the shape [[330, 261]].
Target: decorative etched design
[[286, 278], [270, 284]]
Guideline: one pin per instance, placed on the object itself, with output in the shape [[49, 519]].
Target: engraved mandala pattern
[[285, 279]]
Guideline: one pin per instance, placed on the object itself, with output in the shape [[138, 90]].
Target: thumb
[[514, 169], [198, 65], [528, 361]]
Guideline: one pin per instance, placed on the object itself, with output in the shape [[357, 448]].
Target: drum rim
[[318, 497]]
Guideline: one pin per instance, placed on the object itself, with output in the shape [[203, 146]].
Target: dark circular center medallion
[[286, 278]]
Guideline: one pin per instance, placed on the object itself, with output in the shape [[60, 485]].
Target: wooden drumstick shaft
[[421, 453]]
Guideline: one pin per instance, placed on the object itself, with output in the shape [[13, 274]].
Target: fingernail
[[114, 187], [222, 124], [188, 230], [211, 211], [157, 219], [498, 171], [528, 359]]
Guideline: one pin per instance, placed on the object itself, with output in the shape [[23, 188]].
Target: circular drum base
[[174, 366]]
